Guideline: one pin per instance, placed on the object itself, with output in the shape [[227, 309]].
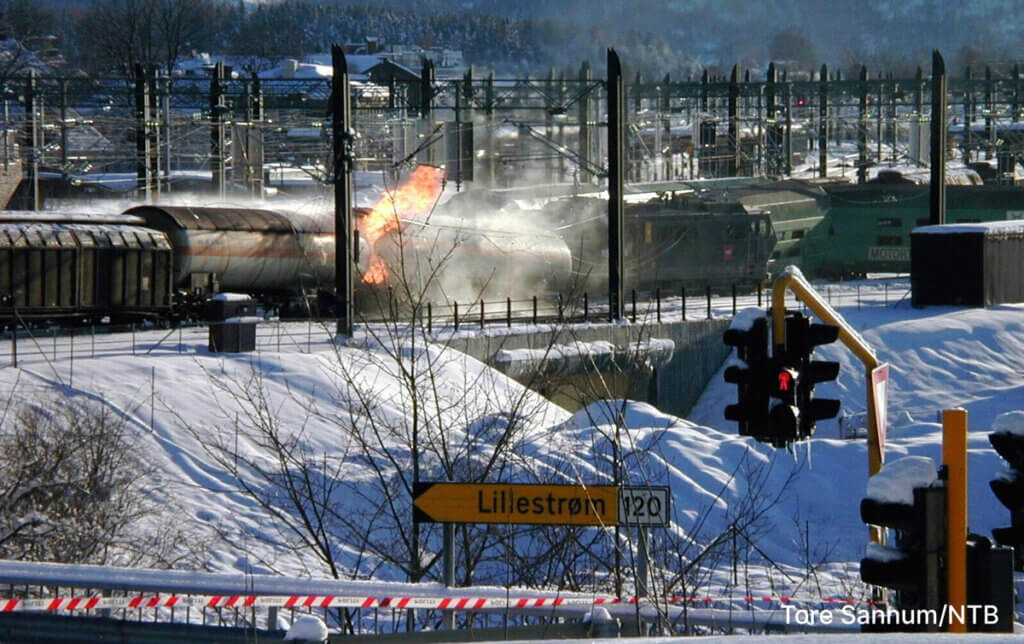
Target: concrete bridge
[[666, 364]]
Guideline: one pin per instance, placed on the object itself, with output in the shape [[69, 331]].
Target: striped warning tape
[[97, 602]]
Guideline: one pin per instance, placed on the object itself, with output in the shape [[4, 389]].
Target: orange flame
[[414, 198]]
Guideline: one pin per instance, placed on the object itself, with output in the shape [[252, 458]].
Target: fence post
[[684, 303], [508, 312], [586, 308], [53, 334], [559, 307], [309, 336], [481, 313], [133, 338], [734, 299], [708, 291], [92, 327], [632, 294], [534, 309], [456, 316], [759, 295], [430, 318], [71, 374], [657, 302]]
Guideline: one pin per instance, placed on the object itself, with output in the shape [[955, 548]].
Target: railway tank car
[[467, 260], [246, 249]]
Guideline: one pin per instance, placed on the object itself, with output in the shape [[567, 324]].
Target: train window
[[890, 240], [648, 232], [890, 222], [798, 234]]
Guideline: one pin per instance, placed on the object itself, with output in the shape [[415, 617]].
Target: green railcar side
[[867, 228]]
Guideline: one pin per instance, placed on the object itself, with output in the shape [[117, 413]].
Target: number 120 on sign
[[644, 506]]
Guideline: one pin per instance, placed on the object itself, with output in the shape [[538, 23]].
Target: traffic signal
[[749, 334], [1009, 489], [784, 414], [801, 338], [902, 497]]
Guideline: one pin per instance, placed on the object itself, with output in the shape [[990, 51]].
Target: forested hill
[[655, 36]]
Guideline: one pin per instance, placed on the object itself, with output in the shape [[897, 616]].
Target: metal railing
[[52, 346]]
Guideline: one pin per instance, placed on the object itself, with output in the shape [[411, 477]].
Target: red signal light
[[785, 379]]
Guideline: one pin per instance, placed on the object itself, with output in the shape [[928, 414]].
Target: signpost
[[526, 503], [595, 505], [880, 389], [646, 507]]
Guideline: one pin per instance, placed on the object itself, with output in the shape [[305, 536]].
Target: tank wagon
[[478, 258], [245, 249]]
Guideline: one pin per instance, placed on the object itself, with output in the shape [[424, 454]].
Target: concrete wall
[[699, 352]]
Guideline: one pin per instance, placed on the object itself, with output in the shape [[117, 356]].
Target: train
[[162, 261], [157, 261], [670, 242]]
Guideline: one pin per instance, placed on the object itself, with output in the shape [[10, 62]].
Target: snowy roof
[[1014, 226]]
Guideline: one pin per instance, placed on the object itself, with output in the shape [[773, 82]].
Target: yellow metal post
[[954, 457], [793, 280]]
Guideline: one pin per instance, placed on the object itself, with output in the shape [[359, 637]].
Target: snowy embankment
[[788, 520]]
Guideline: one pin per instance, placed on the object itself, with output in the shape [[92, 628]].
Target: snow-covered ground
[[805, 543]]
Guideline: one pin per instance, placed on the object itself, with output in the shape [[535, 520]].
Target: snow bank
[[897, 480], [1011, 423], [308, 628]]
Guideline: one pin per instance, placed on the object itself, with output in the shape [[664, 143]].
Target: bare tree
[[72, 490], [150, 33]]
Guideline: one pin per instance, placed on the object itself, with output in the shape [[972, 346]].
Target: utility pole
[[341, 135], [937, 189], [616, 135]]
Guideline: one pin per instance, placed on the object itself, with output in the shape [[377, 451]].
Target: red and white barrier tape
[[97, 602]]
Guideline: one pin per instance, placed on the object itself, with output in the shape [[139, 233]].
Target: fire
[[414, 198]]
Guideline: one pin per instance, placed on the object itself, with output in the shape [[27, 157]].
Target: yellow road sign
[[516, 503]]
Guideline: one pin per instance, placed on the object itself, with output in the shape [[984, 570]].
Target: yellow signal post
[[791, 279], [954, 457]]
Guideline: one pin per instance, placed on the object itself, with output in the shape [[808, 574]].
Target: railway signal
[[1009, 489], [749, 334], [801, 338], [902, 498], [784, 416]]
